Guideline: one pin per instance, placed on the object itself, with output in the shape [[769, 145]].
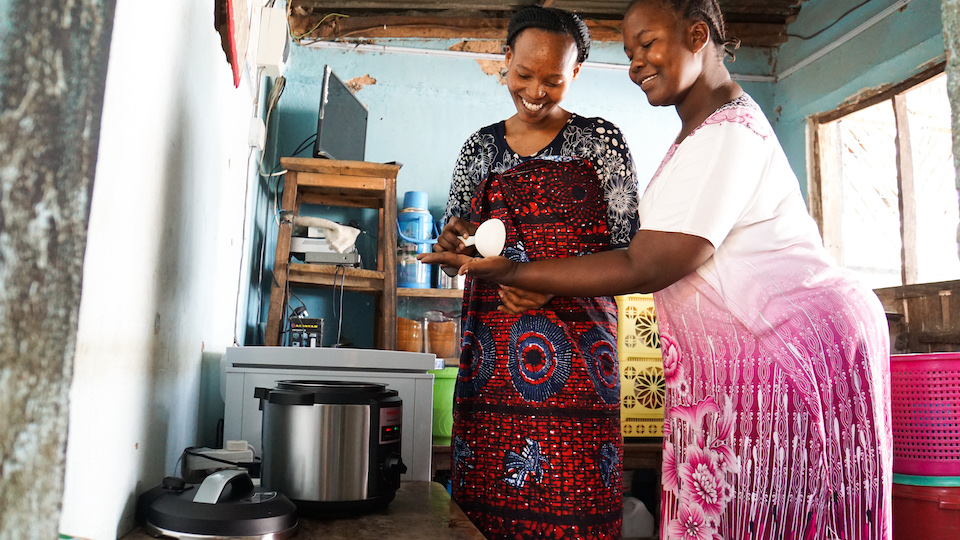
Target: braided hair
[[707, 11], [551, 20]]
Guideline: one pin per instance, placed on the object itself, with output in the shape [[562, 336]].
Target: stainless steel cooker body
[[332, 444]]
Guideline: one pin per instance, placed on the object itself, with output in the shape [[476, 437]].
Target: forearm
[[653, 261], [601, 274]]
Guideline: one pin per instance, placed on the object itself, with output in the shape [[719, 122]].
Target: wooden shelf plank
[[334, 184], [355, 201], [429, 293], [326, 275], [340, 167]]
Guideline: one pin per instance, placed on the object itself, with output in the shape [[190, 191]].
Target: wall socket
[[256, 133]]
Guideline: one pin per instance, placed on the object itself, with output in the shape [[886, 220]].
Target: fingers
[[451, 238], [520, 300], [443, 258]]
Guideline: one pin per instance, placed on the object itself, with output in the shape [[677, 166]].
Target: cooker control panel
[[390, 421]]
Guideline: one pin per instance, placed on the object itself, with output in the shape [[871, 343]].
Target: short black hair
[[552, 20]]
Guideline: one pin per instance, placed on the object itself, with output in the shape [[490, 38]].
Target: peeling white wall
[[162, 259]]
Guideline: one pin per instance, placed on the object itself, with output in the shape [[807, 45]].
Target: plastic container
[[442, 335], [444, 381], [409, 335], [417, 233], [641, 367], [638, 522], [923, 507], [925, 402]]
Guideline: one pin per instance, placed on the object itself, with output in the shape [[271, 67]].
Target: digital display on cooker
[[389, 434]]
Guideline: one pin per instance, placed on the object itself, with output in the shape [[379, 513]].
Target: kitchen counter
[[419, 510]]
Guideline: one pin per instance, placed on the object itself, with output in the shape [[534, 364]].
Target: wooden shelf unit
[[357, 184]]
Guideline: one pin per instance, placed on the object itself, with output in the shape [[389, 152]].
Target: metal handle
[[406, 238], [214, 485]]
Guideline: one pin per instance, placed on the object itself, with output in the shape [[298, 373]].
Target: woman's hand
[[449, 261], [517, 301], [450, 242], [496, 269], [452, 236]]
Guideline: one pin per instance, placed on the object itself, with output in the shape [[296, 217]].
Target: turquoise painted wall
[[421, 110], [897, 47]]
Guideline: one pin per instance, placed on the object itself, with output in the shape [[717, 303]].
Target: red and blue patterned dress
[[536, 440]]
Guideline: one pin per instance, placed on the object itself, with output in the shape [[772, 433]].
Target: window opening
[[886, 195]]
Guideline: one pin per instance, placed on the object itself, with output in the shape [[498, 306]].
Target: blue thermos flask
[[418, 233]]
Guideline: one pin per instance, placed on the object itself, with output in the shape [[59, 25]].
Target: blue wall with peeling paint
[[421, 110], [891, 51]]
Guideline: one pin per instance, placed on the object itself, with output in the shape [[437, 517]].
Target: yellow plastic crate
[[641, 367]]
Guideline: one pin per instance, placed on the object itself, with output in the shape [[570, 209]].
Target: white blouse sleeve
[[708, 185]]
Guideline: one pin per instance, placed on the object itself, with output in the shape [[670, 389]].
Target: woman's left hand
[[517, 301]]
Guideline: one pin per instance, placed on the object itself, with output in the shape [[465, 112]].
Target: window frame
[[818, 170]]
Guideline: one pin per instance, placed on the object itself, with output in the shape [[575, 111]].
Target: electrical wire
[[276, 213], [342, 271], [827, 27], [276, 187], [272, 101], [322, 20], [305, 144]]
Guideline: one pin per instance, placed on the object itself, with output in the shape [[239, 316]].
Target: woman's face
[[662, 50], [540, 66]]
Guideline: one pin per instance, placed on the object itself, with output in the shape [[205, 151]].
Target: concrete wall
[[49, 128], [160, 279], [422, 109], [951, 40], [890, 51]]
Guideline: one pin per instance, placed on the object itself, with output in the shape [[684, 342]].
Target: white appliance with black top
[[244, 369]]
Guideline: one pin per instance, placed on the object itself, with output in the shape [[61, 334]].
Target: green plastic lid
[[938, 481]]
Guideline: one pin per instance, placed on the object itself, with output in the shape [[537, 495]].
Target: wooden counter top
[[420, 510]]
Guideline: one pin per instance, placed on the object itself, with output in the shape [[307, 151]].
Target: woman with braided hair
[[536, 419], [777, 417]]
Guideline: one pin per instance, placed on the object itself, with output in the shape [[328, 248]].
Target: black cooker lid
[[306, 392], [239, 511]]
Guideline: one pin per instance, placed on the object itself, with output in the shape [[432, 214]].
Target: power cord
[[252, 466], [272, 101], [341, 270], [827, 27]]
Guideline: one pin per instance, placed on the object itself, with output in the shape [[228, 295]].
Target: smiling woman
[[775, 360], [536, 437]]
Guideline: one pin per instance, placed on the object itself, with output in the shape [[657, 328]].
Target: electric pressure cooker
[[332, 447]]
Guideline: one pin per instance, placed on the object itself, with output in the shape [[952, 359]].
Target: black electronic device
[[305, 332], [342, 121]]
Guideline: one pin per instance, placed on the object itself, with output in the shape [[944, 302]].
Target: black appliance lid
[[308, 392], [226, 504], [332, 387]]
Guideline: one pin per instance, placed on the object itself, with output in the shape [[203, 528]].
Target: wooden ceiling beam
[[309, 27]]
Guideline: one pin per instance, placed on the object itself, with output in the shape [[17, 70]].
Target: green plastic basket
[[929, 481], [444, 381]]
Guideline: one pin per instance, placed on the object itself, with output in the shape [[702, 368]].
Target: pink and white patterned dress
[[776, 360]]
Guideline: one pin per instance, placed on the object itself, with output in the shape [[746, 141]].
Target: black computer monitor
[[342, 122]]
